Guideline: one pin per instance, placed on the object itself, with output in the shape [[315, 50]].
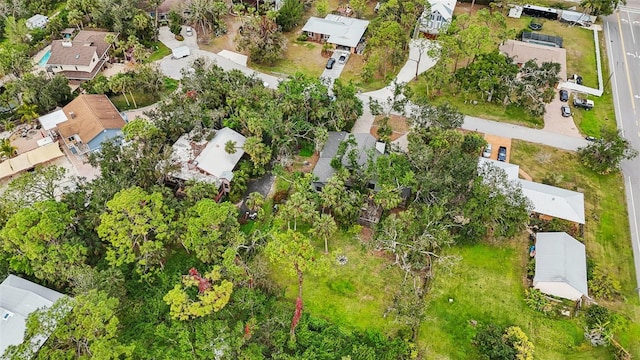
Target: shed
[[180, 52], [561, 266]]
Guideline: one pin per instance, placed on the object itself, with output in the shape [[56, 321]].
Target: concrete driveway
[[329, 76], [556, 123], [173, 67]]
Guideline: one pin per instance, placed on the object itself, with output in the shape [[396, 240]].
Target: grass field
[[161, 50], [353, 295], [487, 286], [142, 99], [606, 236]]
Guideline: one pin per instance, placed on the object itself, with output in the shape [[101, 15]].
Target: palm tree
[[8, 125], [7, 150], [323, 228], [27, 112]]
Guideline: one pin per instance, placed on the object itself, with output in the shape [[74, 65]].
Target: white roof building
[[561, 266], [208, 162], [546, 199], [37, 21], [339, 30], [51, 120], [510, 169], [554, 201], [436, 16], [18, 299]]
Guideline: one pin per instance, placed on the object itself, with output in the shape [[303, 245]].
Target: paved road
[[543, 137], [623, 48]]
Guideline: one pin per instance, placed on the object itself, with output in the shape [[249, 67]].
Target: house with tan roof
[[80, 58], [85, 123]]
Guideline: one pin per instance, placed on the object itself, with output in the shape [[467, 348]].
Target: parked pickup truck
[[583, 103]]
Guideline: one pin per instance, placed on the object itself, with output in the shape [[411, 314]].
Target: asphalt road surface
[[622, 39]]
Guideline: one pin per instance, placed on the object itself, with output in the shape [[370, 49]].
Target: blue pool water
[[44, 59]]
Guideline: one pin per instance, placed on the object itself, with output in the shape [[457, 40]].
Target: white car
[[487, 151], [189, 31]]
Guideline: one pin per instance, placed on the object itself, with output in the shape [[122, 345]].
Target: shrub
[[302, 37], [537, 301], [597, 315], [603, 286], [490, 343], [518, 340]]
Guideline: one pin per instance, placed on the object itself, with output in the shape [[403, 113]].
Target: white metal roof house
[[18, 299], [510, 169], [344, 32], [208, 161], [546, 199], [554, 201], [561, 266], [436, 16]]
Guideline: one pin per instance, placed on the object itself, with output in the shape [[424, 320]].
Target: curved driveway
[[415, 64]]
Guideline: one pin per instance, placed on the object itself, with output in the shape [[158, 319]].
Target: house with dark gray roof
[[81, 58], [561, 266], [366, 145]]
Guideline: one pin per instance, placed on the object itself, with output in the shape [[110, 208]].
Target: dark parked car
[[564, 95], [566, 110], [502, 153], [342, 59], [577, 78], [535, 26], [330, 63]]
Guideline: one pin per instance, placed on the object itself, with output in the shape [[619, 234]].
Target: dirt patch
[[215, 44], [304, 164], [496, 142], [398, 125], [366, 235]]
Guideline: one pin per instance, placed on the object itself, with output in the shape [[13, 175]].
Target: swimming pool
[[45, 58]]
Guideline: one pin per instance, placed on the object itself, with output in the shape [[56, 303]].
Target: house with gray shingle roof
[[366, 145]]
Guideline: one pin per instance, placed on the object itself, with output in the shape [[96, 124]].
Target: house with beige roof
[[80, 58], [85, 123]]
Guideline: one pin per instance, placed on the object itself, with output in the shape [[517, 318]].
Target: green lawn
[[488, 286], [354, 295], [607, 235], [142, 99], [160, 52]]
